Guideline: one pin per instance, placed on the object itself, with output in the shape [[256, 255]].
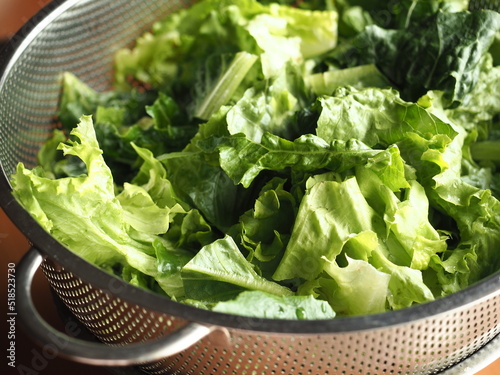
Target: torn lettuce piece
[[207, 187], [83, 212], [219, 271], [376, 117], [358, 77], [475, 211], [285, 34], [358, 288], [264, 230], [329, 214], [409, 232], [243, 159], [258, 304], [270, 107], [484, 102], [139, 208], [266, 227], [119, 233], [406, 285], [336, 222]]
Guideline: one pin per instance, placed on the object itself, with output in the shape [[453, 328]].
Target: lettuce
[[78, 210], [286, 162], [446, 62], [220, 270], [262, 305]]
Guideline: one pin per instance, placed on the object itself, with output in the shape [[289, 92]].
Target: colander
[[458, 334]]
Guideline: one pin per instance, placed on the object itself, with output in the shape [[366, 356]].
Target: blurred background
[[13, 15]]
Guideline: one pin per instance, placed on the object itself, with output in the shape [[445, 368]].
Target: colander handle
[[92, 353]]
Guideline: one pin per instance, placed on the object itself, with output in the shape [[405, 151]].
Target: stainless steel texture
[[472, 365], [423, 346], [95, 353], [81, 37]]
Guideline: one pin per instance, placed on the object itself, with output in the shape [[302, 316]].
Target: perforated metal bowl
[[458, 333]]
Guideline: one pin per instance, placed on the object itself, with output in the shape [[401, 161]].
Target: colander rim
[[100, 279]]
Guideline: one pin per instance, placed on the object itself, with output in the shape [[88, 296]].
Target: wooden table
[[13, 14]]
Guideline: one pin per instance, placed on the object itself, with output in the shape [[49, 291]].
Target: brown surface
[[13, 14]]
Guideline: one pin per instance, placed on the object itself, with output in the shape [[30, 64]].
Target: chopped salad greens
[[287, 160]]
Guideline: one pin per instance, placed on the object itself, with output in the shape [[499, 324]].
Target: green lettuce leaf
[[336, 223], [475, 211], [376, 117], [358, 288], [263, 305], [77, 210], [285, 34], [484, 103], [243, 159], [269, 107], [219, 271], [325, 221], [358, 77], [450, 46]]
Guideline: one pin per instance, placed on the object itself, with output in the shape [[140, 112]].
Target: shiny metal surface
[[81, 36]]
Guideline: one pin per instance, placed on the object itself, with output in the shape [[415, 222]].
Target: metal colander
[[457, 334]]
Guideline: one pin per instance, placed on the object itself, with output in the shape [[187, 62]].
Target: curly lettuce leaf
[[285, 34], [484, 104], [336, 223], [121, 233], [376, 117], [270, 107], [77, 210]]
